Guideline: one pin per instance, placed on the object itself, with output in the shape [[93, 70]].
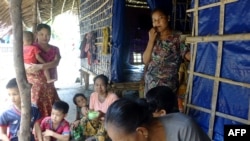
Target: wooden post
[[24, 86], [86, 80]]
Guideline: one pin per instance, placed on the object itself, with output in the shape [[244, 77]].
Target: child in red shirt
[[31, 54], [55, 127]]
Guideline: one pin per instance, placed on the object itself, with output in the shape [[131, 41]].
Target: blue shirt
[[12, 118]]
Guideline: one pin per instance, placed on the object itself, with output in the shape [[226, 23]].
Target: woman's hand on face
[[152, 34]]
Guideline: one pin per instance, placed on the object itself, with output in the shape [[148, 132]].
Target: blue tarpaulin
[[117, 40], [232, 100]]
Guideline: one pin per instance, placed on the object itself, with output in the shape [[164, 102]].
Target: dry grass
[[47, 10]]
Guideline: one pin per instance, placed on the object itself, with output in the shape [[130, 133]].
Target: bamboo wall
[[217, 79], [94, 16]]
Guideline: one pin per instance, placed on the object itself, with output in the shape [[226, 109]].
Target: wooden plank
[[214, 38]]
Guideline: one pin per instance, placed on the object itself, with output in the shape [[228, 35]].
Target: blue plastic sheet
[[232, 99], [117, 40]]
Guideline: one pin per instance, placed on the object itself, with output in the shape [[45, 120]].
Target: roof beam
[[7, 1], [38, 13], [73, 3], [63, 5], [51, 10], [34, 10]]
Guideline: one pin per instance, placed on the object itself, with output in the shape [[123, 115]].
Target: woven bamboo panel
[[94, 16]]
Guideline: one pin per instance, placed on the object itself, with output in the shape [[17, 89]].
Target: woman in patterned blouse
[[163, 54]]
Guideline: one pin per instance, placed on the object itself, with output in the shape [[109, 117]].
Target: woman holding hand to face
[[163, 54]]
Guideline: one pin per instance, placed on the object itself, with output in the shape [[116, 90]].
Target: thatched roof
[[46, 10]]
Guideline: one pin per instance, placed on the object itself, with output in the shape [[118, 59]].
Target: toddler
[[31, 54]]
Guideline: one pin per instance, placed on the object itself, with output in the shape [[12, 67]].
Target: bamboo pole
[[63, 6], [83, 3], [72, 8], [249, 109], [23, 85], [39, 18], [241, 84], [34, 11], [217, 72], [229, 37], [234, 118], [212, 5], [193, 57], [51, 10]]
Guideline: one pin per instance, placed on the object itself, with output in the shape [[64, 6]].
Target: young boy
[[55, 127], [10, 119], [178, 126], [31, 54]]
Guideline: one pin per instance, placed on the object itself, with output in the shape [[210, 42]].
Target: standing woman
[[163, 54], [44, 94]]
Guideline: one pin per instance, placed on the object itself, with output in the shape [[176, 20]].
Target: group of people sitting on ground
[[53, 127], [105, 117]]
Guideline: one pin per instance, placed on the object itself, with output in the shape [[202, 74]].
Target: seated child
[[81, 102], [10, 119], [162, 101], [31, 54], [178, 126], [55, 127]]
